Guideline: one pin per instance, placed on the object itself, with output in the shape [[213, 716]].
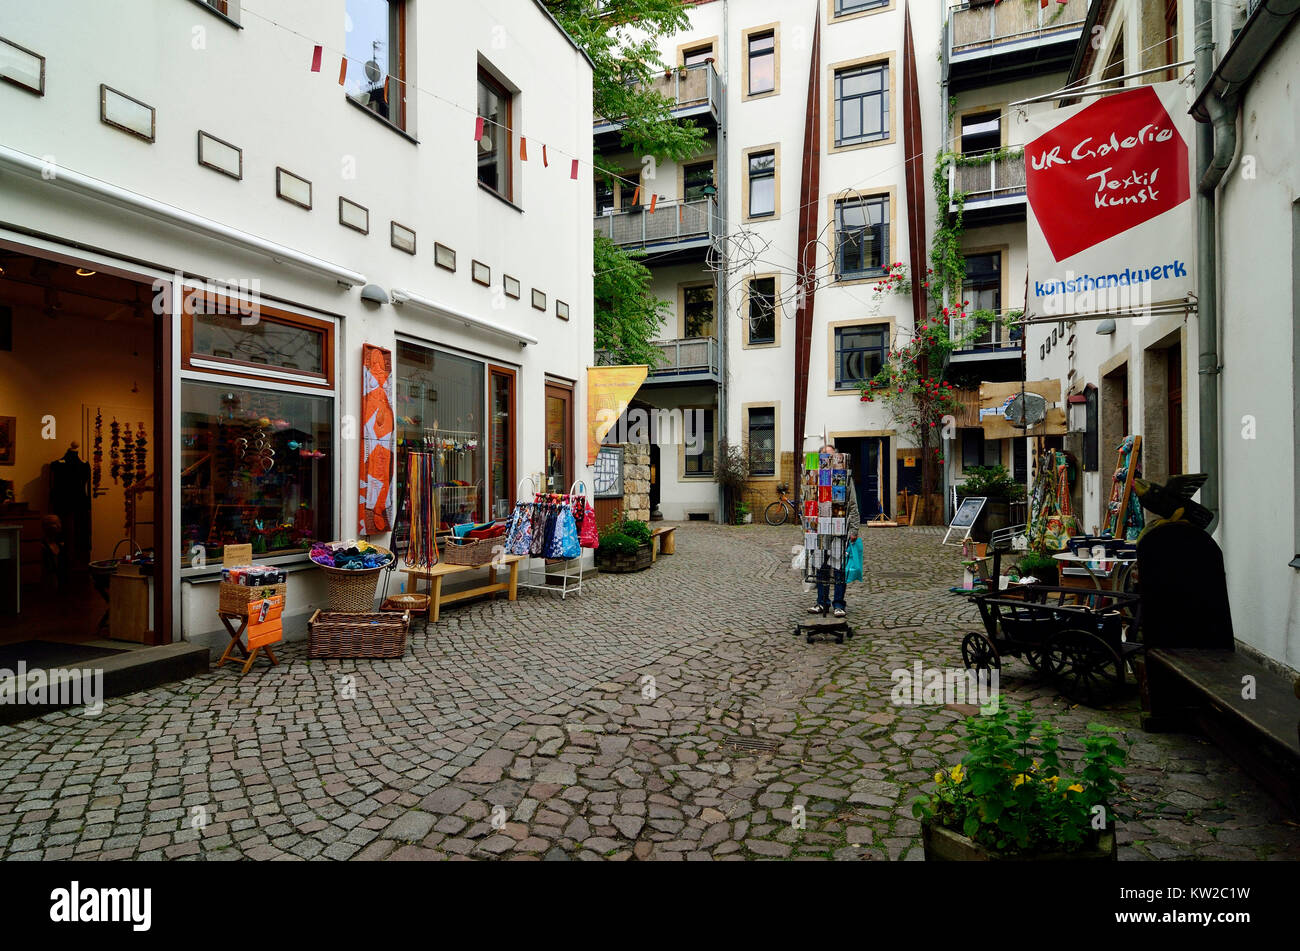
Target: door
[[869, 457], [501, 457], [559, 437]]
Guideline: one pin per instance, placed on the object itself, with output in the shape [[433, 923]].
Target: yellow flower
[[938, 777], [1021, 778], [958, 773], [1075, 787]]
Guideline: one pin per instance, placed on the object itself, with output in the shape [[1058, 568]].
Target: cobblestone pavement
[[522, 731]]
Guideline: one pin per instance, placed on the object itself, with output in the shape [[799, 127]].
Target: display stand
[[1124, 517], [824, 509], [555, 575]]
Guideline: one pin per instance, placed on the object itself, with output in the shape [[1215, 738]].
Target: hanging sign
[[1110, 211], [609, 390]]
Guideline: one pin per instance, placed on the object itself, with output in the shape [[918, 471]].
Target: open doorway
[[80, 509], [872, 465]]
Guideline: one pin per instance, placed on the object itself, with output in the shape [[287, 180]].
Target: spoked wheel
[[1036, 658], [776, 514], [978, 652], [1085, 667]]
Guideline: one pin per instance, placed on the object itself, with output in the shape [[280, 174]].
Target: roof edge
[[563, 32]]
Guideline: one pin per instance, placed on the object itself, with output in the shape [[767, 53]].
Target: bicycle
[[782, 508]]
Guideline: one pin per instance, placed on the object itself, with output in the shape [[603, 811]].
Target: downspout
[[722, 276], [1216, 144]]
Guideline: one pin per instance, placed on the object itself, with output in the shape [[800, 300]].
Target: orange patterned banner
[[609, 390], [378, 441]]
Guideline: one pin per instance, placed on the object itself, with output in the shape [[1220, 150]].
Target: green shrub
[[638, 530], [619, 544]]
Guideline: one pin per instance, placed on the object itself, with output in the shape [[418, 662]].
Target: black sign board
[[963, 520]]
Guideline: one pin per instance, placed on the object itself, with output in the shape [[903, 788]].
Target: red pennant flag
[[385, 89], [546, 163], [573, 172], [636, 196], [478, 129], [316, 55], [523, 149], [1043, 3], [654, 200], [343, 70]]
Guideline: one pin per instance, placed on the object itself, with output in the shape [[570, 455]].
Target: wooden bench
[[1204, 687], [438, 572], [663, 541]]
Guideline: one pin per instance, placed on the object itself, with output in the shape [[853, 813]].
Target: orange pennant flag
[[343, 70], [636, 195], [523, 149], [654, 200], [385, 89], [546, 163]]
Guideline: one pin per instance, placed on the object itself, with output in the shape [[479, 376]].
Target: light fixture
[[1106, 327], [374, 293], [84, 272]]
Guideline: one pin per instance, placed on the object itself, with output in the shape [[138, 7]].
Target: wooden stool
[[236, 641], [413, 603]]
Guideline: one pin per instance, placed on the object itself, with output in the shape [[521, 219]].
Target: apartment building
[[806, 107], [224, 225]]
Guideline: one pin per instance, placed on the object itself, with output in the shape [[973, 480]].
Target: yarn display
[[350, 555]]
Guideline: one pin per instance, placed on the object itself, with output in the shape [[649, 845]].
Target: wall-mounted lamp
[[375, 294], [1106, 327]]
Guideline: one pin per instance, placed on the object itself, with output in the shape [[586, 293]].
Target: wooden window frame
[[832, 125], [567, 392], [775, 343], [832, 354], [746, 410], [747, 36], [892, 195], [833, 17], [397, 95], [775, 149], [681, 308], [508, 97], [495, 370], [261, 372]]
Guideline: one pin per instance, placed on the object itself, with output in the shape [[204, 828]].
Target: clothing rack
[[554, 575]]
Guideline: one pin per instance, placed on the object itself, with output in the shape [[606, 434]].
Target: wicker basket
[[472, 552], [235, 598], [352, 590], [348, 634]]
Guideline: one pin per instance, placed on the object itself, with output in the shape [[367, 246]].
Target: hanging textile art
[[378, 441]]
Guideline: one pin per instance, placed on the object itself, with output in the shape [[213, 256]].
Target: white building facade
[[277, 160]]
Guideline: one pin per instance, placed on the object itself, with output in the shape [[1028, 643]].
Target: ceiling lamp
[[84, 272]]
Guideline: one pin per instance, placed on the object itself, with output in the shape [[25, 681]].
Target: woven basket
[[347, 634], [352, 590], [235, 598], [472, 552]]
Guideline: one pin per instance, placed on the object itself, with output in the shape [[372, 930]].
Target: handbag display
[[563, 542], [588, 536]]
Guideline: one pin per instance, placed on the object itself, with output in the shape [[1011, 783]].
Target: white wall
[[253, 88]]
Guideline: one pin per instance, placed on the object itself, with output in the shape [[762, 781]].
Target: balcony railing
[[996, 339], [694, 91], [691, 358], [1000, 178], [674, 223], [984, 27]]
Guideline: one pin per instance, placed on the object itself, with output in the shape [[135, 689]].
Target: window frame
[[710, 160], [749, 410], [747, 38], [838, 386], [749, 343], [749, 156], [399, 122], [683, 291], [685, 471], [486, 77], [834, 15], [695, 46], [837, 72], [890, 237], [261, 372], [998, 335]]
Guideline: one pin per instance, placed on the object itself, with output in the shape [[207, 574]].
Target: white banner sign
[[1111, 216]]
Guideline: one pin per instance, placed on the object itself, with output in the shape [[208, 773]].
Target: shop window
[[861, 237], [695, 179], [376, 53], [859, 353], [495, 150], [762, 184], [862, 104], [257, 467], [698, 311], [441, 406], [226, 335], [762, 310], [978, 451], [762, 441], [761, 50], [699, 453], [981, 132]]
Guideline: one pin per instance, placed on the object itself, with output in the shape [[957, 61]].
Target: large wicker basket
[[235, 598], [352, 590], [348, 634], [472, 552]]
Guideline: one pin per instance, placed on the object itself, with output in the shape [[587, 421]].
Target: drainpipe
[[1216, 144], [722, 278]]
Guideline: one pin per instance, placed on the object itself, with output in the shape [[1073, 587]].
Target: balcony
[[695, 93], [690, 360], [987, 43], [995, 343], [677, 232], [994, 188]]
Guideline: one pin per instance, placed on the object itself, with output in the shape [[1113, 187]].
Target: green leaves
[[628, 318]]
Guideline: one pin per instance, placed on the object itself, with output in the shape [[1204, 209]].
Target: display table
[[438, 572], [1122, 565]]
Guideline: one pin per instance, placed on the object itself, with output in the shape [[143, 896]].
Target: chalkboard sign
[[963, 520]]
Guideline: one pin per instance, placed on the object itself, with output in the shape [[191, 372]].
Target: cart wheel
[[978, 652], [1087, 670], [810, 638], [1036, 658]]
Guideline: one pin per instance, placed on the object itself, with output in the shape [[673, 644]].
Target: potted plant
[[1000, 489], [624, 546], [1041, 566], [1009, 798]]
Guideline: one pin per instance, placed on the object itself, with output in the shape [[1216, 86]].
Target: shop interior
[[78, 447]]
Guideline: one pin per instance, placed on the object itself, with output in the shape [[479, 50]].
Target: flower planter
[[945, 845], [624, 562]]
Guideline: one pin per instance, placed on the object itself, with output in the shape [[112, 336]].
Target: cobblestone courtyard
[[537, 708]]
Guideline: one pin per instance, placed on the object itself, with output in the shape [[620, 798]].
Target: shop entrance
[[869, 457], [81, 515]]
